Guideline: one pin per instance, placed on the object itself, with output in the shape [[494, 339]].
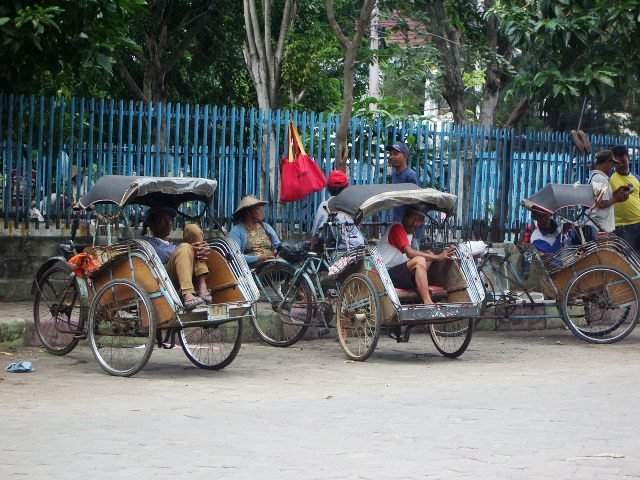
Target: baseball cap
[[172, 212], [605, 155], [619, 151], [399, 147], [337, 178]]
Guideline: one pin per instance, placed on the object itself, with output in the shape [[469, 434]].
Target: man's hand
[[448, 254], [201, 250], [264, 258], [621, 194]]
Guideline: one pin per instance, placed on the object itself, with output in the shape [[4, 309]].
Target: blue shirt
[[408, 175], [239, 234], [163, 248]]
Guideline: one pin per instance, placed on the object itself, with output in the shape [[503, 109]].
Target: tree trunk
[[447, 41], [264, 66], [492, 83], [351, 50], [518, 113]]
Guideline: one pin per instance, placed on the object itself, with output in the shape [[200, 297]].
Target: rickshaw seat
[[436, 292]]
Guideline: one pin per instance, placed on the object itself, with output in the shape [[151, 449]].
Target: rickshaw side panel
[[601, 257], [221, 281], [449, 276], [140, 272]]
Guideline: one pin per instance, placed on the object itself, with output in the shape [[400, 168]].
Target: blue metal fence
[[53, 149]]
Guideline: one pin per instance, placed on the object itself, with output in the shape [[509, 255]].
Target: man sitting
[[407, 266], [549, 237], [185, 262]]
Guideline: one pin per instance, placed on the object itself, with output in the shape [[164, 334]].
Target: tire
[[600, 305], [59, 310], [295, 312], [359, 317], [122, 327], [451, 339], [212, 347]]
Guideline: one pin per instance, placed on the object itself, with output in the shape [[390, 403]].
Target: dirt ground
[[516, 405]]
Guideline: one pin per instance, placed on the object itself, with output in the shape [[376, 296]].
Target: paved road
[[516, 405]]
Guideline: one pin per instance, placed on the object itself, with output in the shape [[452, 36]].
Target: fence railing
[[53, 149]]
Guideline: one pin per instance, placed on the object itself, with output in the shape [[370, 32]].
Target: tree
[[63, 46], [263, 62], [350, 53], [165, 33], [572, 53]]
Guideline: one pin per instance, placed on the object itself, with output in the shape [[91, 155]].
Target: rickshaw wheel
[[59, 311], [212, 347], [122, 327], [292, 303], [600, 305], [359, 317], [451, 339]]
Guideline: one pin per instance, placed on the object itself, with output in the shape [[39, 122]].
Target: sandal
[[206, 296], [193, 303]]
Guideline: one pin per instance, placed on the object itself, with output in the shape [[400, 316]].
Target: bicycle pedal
[[332, 292]]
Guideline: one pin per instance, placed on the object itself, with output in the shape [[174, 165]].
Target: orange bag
[[301, 175]]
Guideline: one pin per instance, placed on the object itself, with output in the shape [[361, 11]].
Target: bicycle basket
[[294, 252]]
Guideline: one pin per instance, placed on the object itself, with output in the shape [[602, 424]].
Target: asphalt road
[[515, 405]]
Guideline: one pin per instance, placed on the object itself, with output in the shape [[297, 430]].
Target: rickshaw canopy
[[124, 190], [554, 196], [360, 201]]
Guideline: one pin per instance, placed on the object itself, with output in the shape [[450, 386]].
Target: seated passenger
[[407, 266], [549, 237], [258, 241], [185, 262], [350, 236]]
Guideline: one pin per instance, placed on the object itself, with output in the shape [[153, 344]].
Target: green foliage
[[569, 51], [61, 46]]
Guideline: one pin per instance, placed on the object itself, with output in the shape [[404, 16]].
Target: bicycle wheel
[[122, 327], [451, 339], [359, 317], [600, 305], [212, 347], [292, 302], [59, 310]]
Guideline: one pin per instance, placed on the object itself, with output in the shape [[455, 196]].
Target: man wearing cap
[[402, 173], [408, 267], [185, 262], [627, 214], [602, 215], [258, 241], [350, 235]]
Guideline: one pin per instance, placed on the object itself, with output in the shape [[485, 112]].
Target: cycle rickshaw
[[120, 296], [367, 303], [595, 284]]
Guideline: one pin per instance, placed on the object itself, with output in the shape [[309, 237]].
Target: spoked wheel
[[452, 338], [59, 310], [600, 305], [212, 347], [122, 327], [359, 317], [293, 304]]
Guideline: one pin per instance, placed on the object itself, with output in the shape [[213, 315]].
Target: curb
[[21, 332]]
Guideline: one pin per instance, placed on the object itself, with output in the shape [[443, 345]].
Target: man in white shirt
[[602, 216], [407, 266]]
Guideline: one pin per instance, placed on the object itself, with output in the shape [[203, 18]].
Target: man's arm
[[447, 254]]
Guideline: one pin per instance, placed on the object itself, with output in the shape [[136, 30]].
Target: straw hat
[[248, 202]]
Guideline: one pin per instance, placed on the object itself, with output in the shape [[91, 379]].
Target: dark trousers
[[630, 234]]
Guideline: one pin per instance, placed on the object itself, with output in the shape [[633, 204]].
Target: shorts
[[401, 277]]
